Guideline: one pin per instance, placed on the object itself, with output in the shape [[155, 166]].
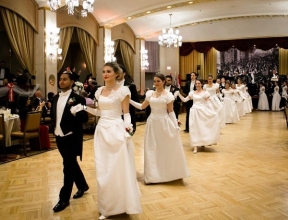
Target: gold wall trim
[[29, 12]]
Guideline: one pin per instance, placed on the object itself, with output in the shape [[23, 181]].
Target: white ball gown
[[239, 102], [263, 103], [230, 108], [246, 103], [164, 158], [204, 126], [118, 190], [276, 99], [217, 105]]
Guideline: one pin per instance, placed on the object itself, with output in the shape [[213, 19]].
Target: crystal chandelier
[[71, 7], [169, 38]]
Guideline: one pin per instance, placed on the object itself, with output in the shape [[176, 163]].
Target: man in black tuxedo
[[189, 86], [69, 138], [170, 88], [126, 80], [38, 98]]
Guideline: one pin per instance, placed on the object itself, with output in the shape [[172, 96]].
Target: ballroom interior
[[244, 176]]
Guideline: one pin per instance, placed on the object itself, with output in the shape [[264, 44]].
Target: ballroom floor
[[244, 176]]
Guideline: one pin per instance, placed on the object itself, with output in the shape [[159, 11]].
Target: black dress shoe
[[80, 193], [61, 205], [186, 131]]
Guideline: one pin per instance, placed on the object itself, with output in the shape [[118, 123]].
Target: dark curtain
[[186, 49], [242, 45]]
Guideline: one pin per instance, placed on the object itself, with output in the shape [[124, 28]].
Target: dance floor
[[244, 176]]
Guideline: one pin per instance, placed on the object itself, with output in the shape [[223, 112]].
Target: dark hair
[[200, 80], [162, 77], [69, 74], [227, 82], [22, 101], [168, 76], [210, 75], [50, 95], [123, 68]]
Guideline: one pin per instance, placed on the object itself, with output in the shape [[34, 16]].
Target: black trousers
[[176, 107], [188, 106], [71, 169]]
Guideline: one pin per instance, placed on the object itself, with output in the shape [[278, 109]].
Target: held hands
[[76, 108]]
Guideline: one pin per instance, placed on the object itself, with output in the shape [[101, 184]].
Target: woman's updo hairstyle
[[162, 77], [116, 68]]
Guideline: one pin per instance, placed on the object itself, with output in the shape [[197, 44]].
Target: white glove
[[136, 104], [185, 99], [173, 118], [76, 108], [128, 125], [176, 94]]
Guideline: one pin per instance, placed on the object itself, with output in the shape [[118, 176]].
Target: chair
[[31, 129], [2, 133]]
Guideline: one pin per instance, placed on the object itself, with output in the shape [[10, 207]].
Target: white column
[[46, 65]]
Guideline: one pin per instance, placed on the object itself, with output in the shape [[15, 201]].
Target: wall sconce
[[59, 54], [144, 59], [54, 36], [109, 52]]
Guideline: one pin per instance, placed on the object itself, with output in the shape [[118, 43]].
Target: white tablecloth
[[11, 124]]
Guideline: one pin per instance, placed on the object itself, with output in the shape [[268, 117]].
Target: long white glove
[[173, 118], [128, 125], [184, 99], [79, 107], [76, 108], [136, 104]]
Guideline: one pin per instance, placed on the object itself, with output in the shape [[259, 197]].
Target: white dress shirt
[[167, 88], [61, 103], [192, 85]]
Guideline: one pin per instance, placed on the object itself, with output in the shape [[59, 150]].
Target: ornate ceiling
[[198, 20]]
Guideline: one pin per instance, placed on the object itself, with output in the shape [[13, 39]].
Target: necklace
[[158, 93], [110, 88]]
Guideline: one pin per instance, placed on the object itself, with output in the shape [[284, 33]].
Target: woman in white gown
[[164, 158], [238, 101], [263, 103], [276, 98], [213, 90], [230, 108], [204, 126], [241, 88], [118, 190]]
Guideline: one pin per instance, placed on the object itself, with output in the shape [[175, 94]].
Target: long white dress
[[230, 108], [118, 190], [263, 103], [217, 105], [204, 126], [246, 103], [276, 99], [239, 102], [164, 158]]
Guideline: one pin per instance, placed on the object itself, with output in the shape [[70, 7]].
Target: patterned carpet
[[16, 152]]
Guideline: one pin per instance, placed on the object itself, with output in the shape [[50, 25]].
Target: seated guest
[[50, 96], [24, 106], [37, 100], [93, 89]]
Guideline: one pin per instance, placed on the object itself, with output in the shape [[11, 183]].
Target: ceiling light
[[190, 2], [129, 18], [169, 6], [169, 38], [148, 12], [71, 7]]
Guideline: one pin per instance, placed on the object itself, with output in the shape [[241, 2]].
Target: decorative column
[[46, 50], [139, 70]]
